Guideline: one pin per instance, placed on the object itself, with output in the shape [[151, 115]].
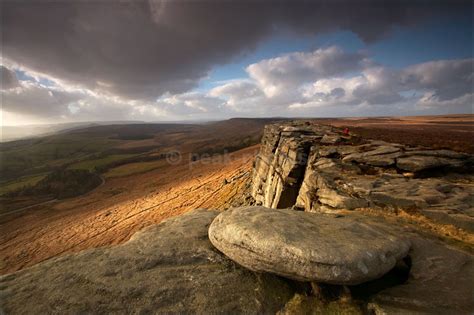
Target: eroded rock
[[168, 268], [350, 173], [280, 166], [307, 246]]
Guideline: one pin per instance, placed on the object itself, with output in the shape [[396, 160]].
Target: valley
[[147, 189]]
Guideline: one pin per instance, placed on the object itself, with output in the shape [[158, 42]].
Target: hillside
[[114, 151], [144, 182]]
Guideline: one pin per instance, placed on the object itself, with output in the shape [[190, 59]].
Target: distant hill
[[10, 133]]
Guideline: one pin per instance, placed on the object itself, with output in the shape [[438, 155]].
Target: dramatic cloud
[[447, 78], [241, 95], [192, 104], [464, 102], [321, 87], [8, 79], [140, 60], [44, 99], [32, 99], [282, 74], [441, 83], [143, 49]]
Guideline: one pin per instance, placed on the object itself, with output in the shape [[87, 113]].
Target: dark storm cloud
[[8, 79], [449, 78], [141, 50]]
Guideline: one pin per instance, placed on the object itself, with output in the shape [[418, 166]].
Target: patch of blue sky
[[47, 82], [24, 76]]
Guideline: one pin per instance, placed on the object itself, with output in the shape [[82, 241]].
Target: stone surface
[[167, 268], [351, 173], [440, 282], [416, 163], [330, 139], [307, 246], [279, 166]]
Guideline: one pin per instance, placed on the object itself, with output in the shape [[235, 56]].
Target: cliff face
[[280, 165], [319, 168]]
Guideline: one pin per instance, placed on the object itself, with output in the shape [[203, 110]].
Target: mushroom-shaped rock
[[306, 246]]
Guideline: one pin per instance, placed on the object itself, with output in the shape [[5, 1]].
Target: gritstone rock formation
[[319, 169], [307, 246]]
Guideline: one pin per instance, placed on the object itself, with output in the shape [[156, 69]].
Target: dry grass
[[310, 305], [106, 216], [440, 132], [423, 225]]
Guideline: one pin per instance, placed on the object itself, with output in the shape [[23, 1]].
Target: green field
[[133, 168], [92, 164], [19, 183], [40, 155]]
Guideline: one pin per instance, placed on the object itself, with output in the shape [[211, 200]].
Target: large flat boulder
[[307, 246], [167, 268]]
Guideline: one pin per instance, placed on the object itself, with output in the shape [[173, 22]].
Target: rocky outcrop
[[344, 172], [280, 165], [320, 169], [167, 268], [307, 246]]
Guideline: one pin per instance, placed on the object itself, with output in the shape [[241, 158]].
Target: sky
[[70, 61]]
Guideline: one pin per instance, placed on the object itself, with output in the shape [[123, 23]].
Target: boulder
[[307, 246], [330, 139], [440, 282], [167, 268], [335, 199]]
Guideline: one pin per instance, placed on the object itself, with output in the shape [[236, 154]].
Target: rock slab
[[440, 282], [170, 268], [307, 246]]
